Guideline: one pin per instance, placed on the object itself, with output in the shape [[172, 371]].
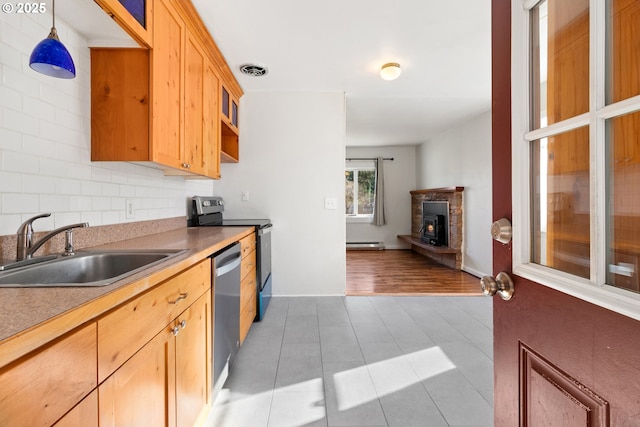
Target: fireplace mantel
[[438, 190], [450, 256]]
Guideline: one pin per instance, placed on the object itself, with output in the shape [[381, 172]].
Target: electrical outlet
[[130, 213], [331, 203], [244, 196]]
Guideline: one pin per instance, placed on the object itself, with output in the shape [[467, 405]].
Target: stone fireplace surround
[[450, 256]]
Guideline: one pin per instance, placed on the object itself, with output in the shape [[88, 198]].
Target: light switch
[[331, 203], [244, 196]]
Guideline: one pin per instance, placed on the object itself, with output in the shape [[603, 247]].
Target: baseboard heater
[[365, 246]]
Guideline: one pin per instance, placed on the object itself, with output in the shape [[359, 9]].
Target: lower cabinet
[[167, 382], [84, 414], [41, 387]]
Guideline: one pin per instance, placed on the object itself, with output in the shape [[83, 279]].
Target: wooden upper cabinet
[[211, 122], [163, 105], [195, 60], [167, 80], [134, 16], [229, 139]]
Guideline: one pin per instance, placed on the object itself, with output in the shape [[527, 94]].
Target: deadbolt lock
[[501, 230]]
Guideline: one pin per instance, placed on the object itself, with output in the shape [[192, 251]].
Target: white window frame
[[594, 289], [360, 218]]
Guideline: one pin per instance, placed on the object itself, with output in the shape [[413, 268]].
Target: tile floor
[[363, 361]]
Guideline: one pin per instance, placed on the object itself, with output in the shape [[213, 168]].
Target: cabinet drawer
[[248, 244], [122, 332], [248, 264], [42, 387], [247, 316], [247, 288]]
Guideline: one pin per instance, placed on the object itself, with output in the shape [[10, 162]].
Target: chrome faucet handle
[[25, 236], [68, 243]]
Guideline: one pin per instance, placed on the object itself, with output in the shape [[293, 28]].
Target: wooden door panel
[[547, 395]]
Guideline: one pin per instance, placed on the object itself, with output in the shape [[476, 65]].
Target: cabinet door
[[211, 121], [40, 388], [193, 361], [134, 16], [167, 58], [142, 391], [85, 413], [194, 106]]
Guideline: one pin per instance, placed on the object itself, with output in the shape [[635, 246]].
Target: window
[[360, 189], [576, 121]]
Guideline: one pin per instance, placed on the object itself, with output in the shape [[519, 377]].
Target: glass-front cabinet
[[132, 15]]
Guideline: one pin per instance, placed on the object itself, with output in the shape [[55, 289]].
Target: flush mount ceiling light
[[253, 70], [50, 57], [390, 71]]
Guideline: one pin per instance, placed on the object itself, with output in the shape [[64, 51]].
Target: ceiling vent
[[253, 70]]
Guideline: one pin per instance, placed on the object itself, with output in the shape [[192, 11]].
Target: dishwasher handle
[[229, 265]]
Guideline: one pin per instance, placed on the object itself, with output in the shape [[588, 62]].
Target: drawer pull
[[180, 298], [175, 331]]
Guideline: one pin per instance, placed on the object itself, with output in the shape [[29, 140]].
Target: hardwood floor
[[402, 272]]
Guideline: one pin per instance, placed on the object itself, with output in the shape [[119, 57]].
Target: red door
[[559, 360]]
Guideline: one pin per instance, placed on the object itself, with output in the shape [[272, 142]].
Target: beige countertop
[[30, 317]]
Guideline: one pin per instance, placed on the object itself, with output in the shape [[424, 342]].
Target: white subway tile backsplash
[[10, 140], [113, 217], [67, 186], [80, 204], [16, 203], [53, 167], [10, 182], [54, 203], [37, 184], [19, 162], [38, 109], [34, 144], [110, 189], [10, 98], [45, 144], [101, 203], [20, 122]]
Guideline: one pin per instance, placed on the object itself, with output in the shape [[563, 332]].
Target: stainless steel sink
[[84, 269]]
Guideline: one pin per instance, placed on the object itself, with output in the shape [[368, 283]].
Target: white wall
[[462, 157], [45, 140], [399, 179], [292, 158]]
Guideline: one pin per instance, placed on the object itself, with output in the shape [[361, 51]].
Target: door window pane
[[561, 206], [623, 214], [560, 60], [624, 62]]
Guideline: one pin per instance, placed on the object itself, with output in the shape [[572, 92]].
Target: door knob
[[501, 285]]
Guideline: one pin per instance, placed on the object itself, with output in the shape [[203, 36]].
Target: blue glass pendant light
[[50, 57]]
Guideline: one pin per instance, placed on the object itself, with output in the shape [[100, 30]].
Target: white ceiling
[[443, 47]]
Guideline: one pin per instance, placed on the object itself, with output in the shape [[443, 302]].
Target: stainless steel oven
[[207, 212]]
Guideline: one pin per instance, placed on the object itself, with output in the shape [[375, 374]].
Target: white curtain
[[378, 213]]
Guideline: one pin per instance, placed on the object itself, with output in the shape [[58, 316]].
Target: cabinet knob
[[183, 324], [175, 331]]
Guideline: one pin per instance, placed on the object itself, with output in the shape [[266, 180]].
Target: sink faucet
[[25, 246]]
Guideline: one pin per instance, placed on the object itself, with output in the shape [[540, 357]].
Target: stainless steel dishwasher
[[226, 303]]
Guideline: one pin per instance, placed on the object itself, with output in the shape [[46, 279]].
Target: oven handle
[[264, 230], [228, 266]]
